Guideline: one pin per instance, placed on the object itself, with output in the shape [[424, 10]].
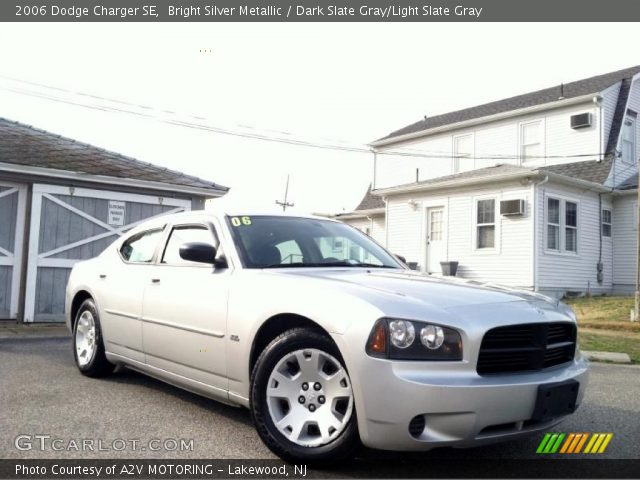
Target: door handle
[[155, 280], [103, 276]]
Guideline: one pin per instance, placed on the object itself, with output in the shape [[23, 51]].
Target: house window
[[562, 225], [530, 142], [553, 224], [571, 227], [606, 223], [486, 224], [462, 153], [628, 140]]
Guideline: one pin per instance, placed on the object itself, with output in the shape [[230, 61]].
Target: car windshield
[[289, 242]]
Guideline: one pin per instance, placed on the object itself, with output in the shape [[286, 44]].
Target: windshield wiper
[[326, 264]]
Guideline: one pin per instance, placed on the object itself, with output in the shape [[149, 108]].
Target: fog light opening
[[416, 426]]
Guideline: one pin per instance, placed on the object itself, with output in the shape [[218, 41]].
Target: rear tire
[[313, 424], [88, 347]]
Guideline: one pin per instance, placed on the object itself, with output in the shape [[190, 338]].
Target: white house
[[537, 191]]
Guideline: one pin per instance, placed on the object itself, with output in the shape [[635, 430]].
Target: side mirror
[[402, 259], [198, 252]]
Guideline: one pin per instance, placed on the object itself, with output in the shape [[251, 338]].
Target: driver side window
[[181, 235]]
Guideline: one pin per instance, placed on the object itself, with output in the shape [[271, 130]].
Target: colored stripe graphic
[[567, 442], [573, 443], [582, 441], [543, 443], [607, 439]]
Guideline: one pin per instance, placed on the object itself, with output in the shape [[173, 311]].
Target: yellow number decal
[[239, 221]]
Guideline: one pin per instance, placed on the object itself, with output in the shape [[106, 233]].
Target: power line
[[254, 135]]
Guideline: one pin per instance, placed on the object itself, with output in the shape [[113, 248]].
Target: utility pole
[[284, 204]]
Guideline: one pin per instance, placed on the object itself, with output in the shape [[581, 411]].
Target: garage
[[62, 201]]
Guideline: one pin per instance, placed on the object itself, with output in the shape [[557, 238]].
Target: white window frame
[[496, 223], [634, 140], [456, 156], [563, 225], [609, 223], [541, 141]]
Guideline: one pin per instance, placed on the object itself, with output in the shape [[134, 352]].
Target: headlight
[[402, 333], [395, 339]]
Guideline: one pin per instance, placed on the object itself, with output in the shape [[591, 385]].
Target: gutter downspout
[[386, 222], [536, 231]]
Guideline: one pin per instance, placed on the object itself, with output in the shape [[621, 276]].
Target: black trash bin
[[449, 269]]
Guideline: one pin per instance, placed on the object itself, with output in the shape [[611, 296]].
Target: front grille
[[526, 348]]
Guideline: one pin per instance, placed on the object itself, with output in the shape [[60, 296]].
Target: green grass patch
[[603, 341], [606, 313]]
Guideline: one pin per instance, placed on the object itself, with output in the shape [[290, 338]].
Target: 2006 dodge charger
[[326, 337]]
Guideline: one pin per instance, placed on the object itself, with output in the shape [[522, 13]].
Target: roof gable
[[578, 88], [25, 145]]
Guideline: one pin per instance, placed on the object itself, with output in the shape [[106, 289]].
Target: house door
[[12, 203], [435, 239]]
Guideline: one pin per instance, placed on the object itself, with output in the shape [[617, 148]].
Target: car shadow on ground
[[124, 375]]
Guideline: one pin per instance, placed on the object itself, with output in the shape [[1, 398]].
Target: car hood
[[440, 292]]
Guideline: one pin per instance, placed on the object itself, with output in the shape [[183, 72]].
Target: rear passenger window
[[180, 236], [141, 247]]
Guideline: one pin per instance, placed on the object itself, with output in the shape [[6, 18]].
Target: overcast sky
[[324, 83]]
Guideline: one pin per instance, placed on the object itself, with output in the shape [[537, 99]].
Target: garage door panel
[[60, 226], [8, 213], [49, 294], [75, 224], [6, 274], [12, 200], [88, 250]]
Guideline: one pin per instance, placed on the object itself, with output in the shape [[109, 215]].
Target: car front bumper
[[460, 408]]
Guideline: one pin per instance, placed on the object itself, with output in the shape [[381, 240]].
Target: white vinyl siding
[[624, 242], [509, 264], [561, 271], [374, 228], [623, 167], [492, 142]]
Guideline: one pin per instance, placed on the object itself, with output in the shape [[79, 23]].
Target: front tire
[[301, 399], [88, 347]]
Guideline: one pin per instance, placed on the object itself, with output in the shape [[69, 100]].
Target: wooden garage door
[[12, 199], [69, 225]]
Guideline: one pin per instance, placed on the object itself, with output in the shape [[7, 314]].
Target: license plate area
[[555, 400]]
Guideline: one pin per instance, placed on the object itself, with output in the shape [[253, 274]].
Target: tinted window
[[141, 247], [287, 242], [181, 235]]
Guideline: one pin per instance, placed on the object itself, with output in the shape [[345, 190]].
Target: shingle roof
[[370, 201], [590, 171], [586, 86], [22, 144]]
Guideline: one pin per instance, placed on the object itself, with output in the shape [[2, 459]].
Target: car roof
[[212, 212]]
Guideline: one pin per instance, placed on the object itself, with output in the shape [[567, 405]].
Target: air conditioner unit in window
[[512, 207], [581, 120]]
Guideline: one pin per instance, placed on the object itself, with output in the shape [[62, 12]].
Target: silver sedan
[[328, 339]]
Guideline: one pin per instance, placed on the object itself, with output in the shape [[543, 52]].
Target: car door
[[121, 286], [185, 311]]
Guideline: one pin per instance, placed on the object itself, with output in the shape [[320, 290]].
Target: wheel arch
[[78, 299], [276, 325]]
